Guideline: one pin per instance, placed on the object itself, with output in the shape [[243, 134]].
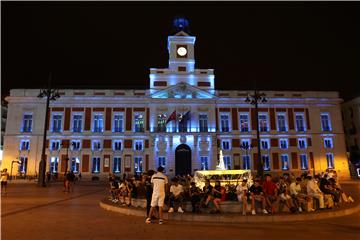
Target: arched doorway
[[182, 160]]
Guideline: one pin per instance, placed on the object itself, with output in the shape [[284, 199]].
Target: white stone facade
[[191, 93]]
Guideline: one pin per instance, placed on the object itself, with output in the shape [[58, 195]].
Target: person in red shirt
[[271, 192]]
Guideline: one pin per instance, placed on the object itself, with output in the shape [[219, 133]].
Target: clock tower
[[181, 48]]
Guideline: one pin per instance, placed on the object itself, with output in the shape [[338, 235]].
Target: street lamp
[[50, 94], [254, 100], [12, 163]]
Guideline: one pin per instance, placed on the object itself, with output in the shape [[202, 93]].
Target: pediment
[[183, 90]]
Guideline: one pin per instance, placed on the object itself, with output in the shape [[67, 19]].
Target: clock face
[[181, 51]]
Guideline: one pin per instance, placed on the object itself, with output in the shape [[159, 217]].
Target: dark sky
[[284, 46]]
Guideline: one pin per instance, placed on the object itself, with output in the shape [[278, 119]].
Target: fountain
[[221, 165]]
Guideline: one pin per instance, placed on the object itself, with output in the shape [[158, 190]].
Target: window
[[281, 121], [246, 162], [303, 161], [117, 145], [27, 123], [138, 164], [54, 164], [328, 142], [224, 123], [330, 160], [24, 145], [245, 144], [244, 122], [55, 145], [266, 162], [263, 123], [225, 144], [162, 162], [302, 143], [77, 123], [227, 162], [117, 165], [161, 123], [118, 123], [139, 123], [75, 164], [285, 162], [283, 142], [204, 163], [203, 122], [96, 165], [325, 122], [264, 143], [138, 145], [300, 125], [98, 123], [96, 145], [75, 145], [57, 123], [23, 165]]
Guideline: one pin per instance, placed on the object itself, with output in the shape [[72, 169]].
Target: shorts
[[157, 200], [3, 183], [240, 197], [124, 193], [284, 196]]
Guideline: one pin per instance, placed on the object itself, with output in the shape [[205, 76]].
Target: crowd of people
[[271, 194]]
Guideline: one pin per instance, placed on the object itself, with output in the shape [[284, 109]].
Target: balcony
[[182, 129]]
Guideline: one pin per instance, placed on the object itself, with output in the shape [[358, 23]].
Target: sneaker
[[161, 221], [180, 210], [300, 209], [148, 221], [244, 214], [311, 210], [264, 211], [350, 199], [253, 212], [171, 210]]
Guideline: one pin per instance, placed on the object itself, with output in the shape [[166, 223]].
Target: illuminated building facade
[[351, 121], [181, 122]]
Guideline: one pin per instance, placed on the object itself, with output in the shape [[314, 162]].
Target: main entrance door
[[182, 160]]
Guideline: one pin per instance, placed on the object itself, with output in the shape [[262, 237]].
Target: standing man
[[159, 181], [4, 179]]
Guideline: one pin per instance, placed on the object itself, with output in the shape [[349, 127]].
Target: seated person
[[114, 190], [207, 190], [284, 195], [195, 197], [298, 196], [215, 197], [326, 188], [257, 194], [125, 191], [176, 194], [314, 191], [242, 194], [345, 197], [270, 192]]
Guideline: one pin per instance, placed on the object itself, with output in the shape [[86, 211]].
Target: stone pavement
[[47, 213]]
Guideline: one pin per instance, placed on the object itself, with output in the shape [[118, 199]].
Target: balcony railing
[[182, 129]]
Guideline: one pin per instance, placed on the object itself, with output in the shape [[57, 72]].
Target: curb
[[234, 218]]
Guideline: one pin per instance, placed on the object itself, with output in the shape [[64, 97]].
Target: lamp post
[[246, 148], [12, 164], [50, 94], [254, 100]]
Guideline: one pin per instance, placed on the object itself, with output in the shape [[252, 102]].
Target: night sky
[[283, 46]]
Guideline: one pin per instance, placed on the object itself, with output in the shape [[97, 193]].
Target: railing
[[182, 129]]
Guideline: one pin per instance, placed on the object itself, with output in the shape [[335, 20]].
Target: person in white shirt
[[4, 179], [242, 192], [159, 182], [314, 191], [176, 195], [297, 196]]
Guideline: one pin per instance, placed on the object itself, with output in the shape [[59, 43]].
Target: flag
[[171, 117], [186, 116]]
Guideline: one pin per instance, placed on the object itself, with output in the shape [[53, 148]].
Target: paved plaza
[[29, 212]]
